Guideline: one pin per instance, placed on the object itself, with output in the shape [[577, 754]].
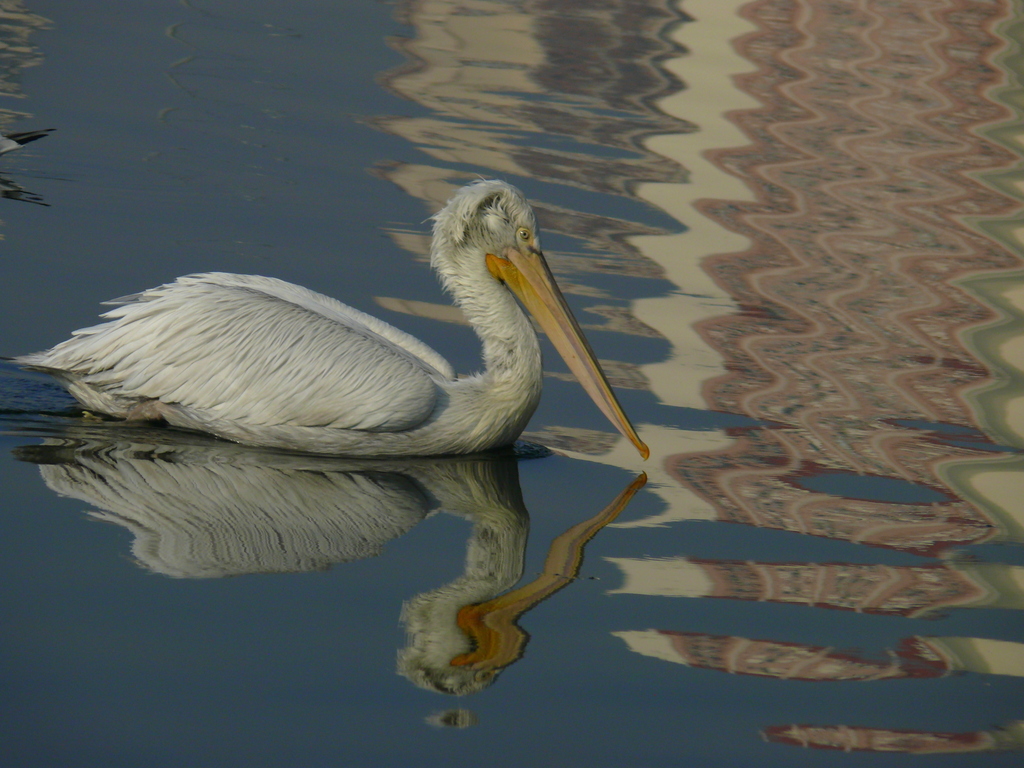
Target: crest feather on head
[[493, 204]]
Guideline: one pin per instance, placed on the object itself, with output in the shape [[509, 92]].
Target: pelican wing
[[256, 351]]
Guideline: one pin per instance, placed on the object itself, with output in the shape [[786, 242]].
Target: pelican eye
[[524, 234]]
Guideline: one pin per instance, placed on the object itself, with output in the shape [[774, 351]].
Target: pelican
[[13, 141], [263, 362]]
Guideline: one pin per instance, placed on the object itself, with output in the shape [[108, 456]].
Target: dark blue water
[[163, 606]]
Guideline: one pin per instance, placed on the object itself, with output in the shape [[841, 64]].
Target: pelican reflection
[[203, 509]]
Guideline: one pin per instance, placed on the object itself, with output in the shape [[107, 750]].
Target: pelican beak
[[527, 275]]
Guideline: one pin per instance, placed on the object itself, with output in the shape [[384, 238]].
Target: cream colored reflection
[[909, 591], [204, 510], [710, 95], [681, 503], [484, 48], [897, 741], [994, 484], [478, 69], [916, 657], [486, 53]]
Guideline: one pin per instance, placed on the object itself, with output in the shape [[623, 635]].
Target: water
[[791, 231]]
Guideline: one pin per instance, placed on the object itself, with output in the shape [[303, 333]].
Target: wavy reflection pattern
[[842, 187], [852, 739], [505, 96], [864, 170], [919, 657]]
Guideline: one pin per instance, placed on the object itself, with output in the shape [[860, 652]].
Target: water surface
[[792, 232]]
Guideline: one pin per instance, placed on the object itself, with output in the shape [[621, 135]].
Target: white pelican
[[263, 362], [13, 141]]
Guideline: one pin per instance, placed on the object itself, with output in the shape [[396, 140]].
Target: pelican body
[[263, 362]]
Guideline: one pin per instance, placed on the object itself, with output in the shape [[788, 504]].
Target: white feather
[[264, 362]]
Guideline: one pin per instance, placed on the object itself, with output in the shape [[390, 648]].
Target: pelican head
[[487, 216], [486, 248]]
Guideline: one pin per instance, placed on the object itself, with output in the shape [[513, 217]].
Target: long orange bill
[[530, 279]]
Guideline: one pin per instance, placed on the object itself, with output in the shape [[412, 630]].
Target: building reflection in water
[[199, 508], [918, 657], [850, 739], [910, 591], [843, 274]]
